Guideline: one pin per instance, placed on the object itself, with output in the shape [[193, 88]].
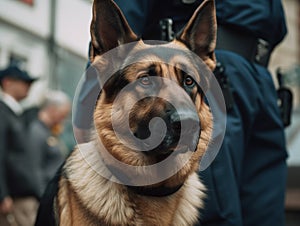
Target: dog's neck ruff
[[144, 190], [155, 191]]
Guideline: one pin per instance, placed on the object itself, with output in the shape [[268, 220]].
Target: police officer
[[246, 181]]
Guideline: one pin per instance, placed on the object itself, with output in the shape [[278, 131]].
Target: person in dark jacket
[[18, 194], [43, 136], [246, 182]]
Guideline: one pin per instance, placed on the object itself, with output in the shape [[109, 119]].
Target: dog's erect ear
[[200, 32], [109, 28]]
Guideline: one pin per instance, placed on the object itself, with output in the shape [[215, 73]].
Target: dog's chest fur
[[86, 198]]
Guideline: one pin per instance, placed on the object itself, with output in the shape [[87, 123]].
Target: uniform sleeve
[[3, 134], [265, 19]]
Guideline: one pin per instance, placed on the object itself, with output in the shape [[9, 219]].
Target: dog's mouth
[[164, 150]]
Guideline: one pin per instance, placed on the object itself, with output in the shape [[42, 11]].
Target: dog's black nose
[[184, 122], [180, 128], [183, 130]]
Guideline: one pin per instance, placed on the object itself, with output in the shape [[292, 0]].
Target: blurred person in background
[[44, 141], [18, 193]]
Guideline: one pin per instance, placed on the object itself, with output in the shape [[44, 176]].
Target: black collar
[[155, 191]]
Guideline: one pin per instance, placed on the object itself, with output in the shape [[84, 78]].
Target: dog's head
[[152, 99]]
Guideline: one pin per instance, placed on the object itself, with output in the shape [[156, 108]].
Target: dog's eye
[[189, 81], [145, 80]]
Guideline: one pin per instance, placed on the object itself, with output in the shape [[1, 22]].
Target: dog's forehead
[[173, 54], [169, 53]]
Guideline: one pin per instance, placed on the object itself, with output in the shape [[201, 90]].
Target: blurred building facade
[[49, 38]]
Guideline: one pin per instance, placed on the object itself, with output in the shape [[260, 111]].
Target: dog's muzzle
[[182, 131]]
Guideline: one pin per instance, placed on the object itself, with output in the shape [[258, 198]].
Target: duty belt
[[246, 45]]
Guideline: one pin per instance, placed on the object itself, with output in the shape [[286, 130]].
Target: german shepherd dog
[[83, 195]]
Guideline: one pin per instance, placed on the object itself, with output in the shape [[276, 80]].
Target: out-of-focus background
[[287, 57], [49, 38]]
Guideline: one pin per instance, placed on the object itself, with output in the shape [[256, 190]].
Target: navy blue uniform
[[246, 181]]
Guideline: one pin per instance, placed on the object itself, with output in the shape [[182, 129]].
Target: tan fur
[[84, 196]]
